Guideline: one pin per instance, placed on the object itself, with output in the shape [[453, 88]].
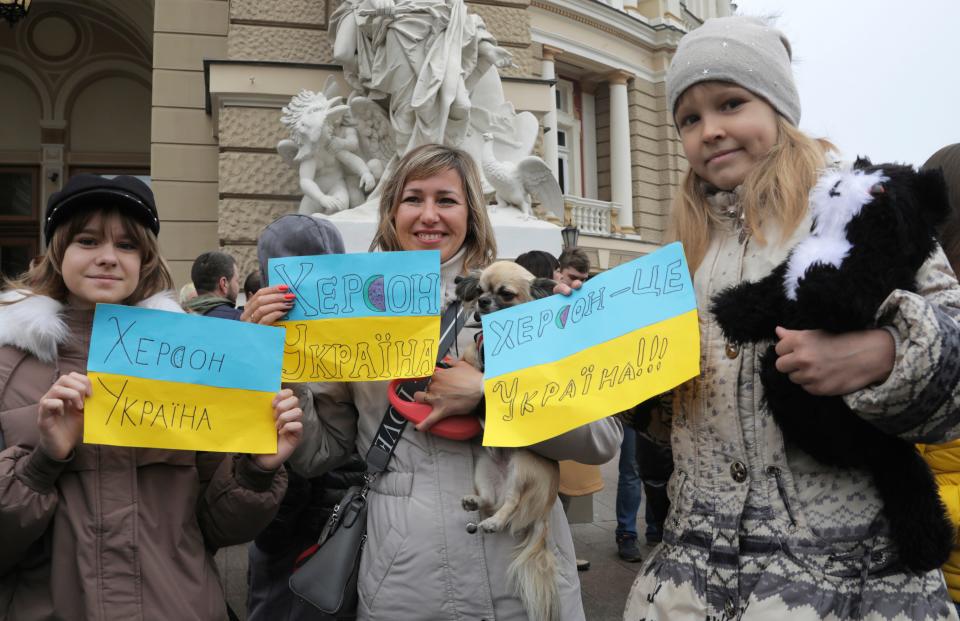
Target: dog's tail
[[534, 573]]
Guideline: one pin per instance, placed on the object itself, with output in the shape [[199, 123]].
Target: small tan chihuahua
[[515, 488]]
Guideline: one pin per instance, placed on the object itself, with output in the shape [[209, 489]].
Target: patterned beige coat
[[759, 529]]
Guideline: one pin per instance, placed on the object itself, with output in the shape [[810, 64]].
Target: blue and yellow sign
[[178, 381], [558, 363], [360, 317]]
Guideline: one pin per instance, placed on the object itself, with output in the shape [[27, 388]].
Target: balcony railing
[[591, 216]]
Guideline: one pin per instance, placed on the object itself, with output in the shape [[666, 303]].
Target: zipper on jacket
[[774, 471]]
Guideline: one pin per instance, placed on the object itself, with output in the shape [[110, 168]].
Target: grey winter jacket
[[419, 562], [760, 530]]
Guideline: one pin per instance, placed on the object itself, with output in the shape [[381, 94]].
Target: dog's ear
[[541, 288], [468, 287]]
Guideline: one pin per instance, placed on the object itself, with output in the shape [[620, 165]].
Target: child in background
[[107, 532], [758, 529]]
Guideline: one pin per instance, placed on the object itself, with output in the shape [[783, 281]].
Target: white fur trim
[[836, 199], [165, 301], [33, 323]]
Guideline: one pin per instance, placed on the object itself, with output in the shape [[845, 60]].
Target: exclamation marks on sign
[[651, 360]]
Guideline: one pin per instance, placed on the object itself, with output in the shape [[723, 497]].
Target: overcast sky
[[877, 77]]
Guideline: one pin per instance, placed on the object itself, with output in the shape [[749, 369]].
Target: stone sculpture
[[421, 71], [422, 57], [515, 182]]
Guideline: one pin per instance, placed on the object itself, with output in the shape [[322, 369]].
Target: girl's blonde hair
[[46, 277], [775, 190], [422, 163]]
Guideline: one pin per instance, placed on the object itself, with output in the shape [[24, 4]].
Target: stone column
[[549, 72], [621, 169]]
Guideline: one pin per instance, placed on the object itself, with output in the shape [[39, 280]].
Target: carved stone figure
[[338, 165], [515, 182], [423, 57]]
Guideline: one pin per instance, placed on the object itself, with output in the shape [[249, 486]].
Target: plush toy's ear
[[862, 163], [932, 196], [468, 287], [541, 288]]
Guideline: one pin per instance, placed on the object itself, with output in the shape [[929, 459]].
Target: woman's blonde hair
[[46, 277], [775, 190], [427, 161]]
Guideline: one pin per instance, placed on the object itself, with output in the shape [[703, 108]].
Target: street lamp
[[570, 235], [14, 10]]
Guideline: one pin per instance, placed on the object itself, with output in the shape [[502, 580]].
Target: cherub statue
[[328, 152]]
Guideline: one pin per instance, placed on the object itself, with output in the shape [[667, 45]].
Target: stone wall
[[654, 148], [184, 153]]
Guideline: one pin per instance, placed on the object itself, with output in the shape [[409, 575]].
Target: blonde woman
[[420, 562]]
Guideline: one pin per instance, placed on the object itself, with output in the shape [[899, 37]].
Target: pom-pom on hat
[[741, 50], [85, 191]]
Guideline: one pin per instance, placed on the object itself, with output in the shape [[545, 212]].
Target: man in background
[[214, 274], [574, 265]]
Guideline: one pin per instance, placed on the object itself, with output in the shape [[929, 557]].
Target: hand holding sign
[[287, 412], [268, 305], [60, 419]]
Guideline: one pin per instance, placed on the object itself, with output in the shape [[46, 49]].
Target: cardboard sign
[[178, 381], [360, 317], [561, 362]]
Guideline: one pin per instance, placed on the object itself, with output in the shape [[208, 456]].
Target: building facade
[[187, 94]]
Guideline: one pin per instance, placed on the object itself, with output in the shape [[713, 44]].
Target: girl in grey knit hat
[[758, 529]]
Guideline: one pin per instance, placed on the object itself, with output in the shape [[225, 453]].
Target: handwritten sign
[[177, 381], [561, 362], [360, 317]]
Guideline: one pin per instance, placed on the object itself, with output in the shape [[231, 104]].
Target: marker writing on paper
[[647, 361], [146, 351], [509, 334], [128, 410], [380, 358], [413, 294]]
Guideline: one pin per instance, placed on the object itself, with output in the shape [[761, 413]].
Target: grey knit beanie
[[741, 50], [296, 235]]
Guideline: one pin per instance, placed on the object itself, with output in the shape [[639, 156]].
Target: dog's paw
[[470, 503], [491, 525]]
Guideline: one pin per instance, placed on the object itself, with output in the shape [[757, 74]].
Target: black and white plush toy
[[873, 228]]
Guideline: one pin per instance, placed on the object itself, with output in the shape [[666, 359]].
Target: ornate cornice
[[620, 24]]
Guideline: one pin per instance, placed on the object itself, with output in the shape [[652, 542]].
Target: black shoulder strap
[[393, 424]]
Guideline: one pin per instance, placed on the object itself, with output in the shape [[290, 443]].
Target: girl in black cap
[[105, 532]]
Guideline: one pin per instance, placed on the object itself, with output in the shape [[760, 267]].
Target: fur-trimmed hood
[[34, 323]]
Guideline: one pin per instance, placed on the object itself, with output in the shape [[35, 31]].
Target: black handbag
[[327, 579], [325, 576]]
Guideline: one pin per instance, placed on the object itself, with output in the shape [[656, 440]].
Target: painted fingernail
[[289, 296], [283, 287]]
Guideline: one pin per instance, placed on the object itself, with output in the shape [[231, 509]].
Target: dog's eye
[[877, 189], [507, 295]]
